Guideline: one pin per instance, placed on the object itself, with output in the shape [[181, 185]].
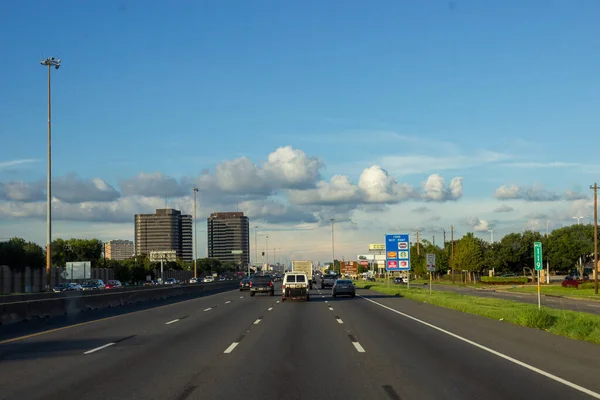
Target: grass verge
[[571, 324], [557, 290]]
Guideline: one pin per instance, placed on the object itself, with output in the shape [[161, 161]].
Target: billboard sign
[[377, 247], [430, 262], [349, 267], [397, 248], [78, 270], [364, 263]]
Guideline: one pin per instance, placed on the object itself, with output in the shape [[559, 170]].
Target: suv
[[261, 284], [295, 286], [328, 280]]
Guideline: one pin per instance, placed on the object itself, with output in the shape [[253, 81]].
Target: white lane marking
[[257, 322], [277, 302], [241, 297], [231, 347], [323, 296], [99, 348], [270, 308], [228, 301], [208, 309], [358, 347], [339, 321], [171, 322], [330, 308], [494, 352]]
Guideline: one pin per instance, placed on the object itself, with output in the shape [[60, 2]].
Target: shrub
[[587, 285], [511, 280]]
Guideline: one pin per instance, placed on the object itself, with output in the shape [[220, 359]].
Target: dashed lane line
[[172, 322], [99, 348]]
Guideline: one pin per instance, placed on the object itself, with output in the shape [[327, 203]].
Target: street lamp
[[491, 231], [332, 245], [49, 62], [267, 249], [255, 245], [578, 220], [195, 236]]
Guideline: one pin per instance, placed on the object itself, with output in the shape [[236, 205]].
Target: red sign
[[392, 264], [403, 264], [364, 263]]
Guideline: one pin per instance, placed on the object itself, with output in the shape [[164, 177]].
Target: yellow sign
[[392, 254], [376, 247]]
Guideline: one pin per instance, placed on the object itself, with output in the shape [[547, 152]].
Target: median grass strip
[[572, 324], [557, 290]]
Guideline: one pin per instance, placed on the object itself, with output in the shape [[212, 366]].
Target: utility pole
[[547, 228], [255, 246], [195, 237], [332, 246], [595, 189], [434, 239], [49, 62], [444, 239], [267, 249], [452, 253], [418, 244]]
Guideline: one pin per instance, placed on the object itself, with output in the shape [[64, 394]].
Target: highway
[[233, 346], [563, 303]]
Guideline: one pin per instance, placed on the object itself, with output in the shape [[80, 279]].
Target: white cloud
[[504, 208], [22, 191], [527, 193], [72, 189], [14, 163], [421, 210], [436, 190], [153, 184]]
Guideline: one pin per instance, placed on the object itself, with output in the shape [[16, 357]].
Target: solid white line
[[98, 348], [228, 301], [358, 347], [257, 322], [171, 322], [323, 296], [340, 321], [494, 352], [231, 347], [208, 309], [270, 308]]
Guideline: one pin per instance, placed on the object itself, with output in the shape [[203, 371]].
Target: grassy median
[[572, 324], [557, 290]]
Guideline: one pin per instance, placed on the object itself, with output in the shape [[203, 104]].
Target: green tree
[[468, 255]]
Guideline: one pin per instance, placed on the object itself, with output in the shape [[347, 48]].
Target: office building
[[229, 237], [163, 231], [119, 250]]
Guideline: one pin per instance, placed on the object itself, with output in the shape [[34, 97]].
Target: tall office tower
[[229, 237], [167, 230]]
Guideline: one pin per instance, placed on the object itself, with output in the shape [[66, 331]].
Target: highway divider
[[75, 302]]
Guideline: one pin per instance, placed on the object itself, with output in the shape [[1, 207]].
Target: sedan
[[113, 284], [343, 287], [245, 284]]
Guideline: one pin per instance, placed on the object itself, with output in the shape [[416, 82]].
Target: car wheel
[[272, 293], [353, 294], [252, 294]]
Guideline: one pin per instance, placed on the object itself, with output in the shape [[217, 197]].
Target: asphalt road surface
[[589, 306], [233, 346]]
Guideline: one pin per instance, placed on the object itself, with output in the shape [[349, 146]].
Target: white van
[[295, 286]]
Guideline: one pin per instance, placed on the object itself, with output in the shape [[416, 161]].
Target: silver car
[[343, 287]]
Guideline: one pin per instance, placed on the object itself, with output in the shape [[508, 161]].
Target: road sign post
[[430, 260], [538, 263], [397, 254]]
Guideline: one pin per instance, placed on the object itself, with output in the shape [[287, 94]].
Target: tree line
[[18, 253]]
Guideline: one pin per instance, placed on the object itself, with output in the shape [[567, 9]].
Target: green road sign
[[537, 256]]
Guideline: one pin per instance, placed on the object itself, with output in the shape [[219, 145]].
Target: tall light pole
[[578, 220], [267, 249], [49, 62], [195, 237], [491, 231], [547, 228], [595, 189], [332, 245], [255, 245]]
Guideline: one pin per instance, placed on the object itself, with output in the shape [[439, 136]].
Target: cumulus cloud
[[435, 188], [421, 210], [153, 184], [504, 208], [276, 212], [22, 191], [479, 225], [527, 193], [72, 189], [571, 195]]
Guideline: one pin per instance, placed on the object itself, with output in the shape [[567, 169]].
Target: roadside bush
[[587, 285], [498, 280]]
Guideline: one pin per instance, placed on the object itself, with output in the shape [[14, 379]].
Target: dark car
[[93, 284], [343, 287], [328, 280], [262, 284], [245, 284], [113, 284]]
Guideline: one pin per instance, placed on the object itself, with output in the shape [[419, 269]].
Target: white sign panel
[[430, 262], [79, 270]]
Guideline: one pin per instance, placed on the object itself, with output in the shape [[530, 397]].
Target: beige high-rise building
[[119, 249], [168, 229], [228, 234]]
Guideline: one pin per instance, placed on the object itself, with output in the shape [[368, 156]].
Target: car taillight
[[250, 284], [283, 286], [271, 283]]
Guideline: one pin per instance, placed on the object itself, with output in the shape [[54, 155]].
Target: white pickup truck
[[295, 286]]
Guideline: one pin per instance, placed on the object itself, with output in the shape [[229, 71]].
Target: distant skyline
[[387, 116]]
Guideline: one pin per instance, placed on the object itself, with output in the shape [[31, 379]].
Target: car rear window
[[344, 282], [291, 278], [261, 279], [300, 278]]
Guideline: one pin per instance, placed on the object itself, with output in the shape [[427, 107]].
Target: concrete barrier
[[75, 302]]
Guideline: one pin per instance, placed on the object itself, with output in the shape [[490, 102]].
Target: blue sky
[[496, 92]]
